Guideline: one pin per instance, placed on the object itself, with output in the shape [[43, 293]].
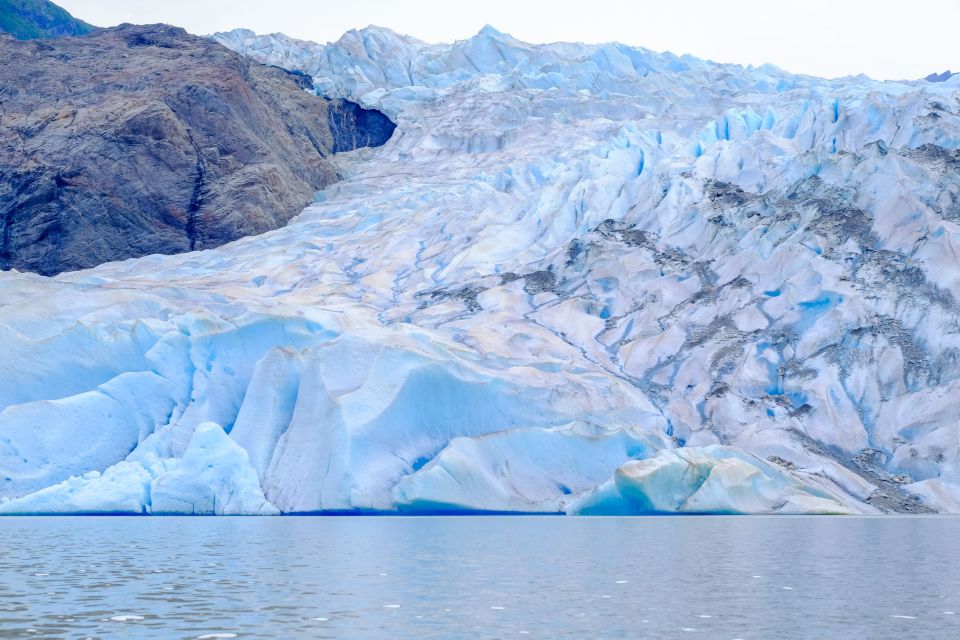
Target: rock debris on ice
[[579, 278]]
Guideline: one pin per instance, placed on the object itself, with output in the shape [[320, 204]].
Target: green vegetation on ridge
[[27, 19]]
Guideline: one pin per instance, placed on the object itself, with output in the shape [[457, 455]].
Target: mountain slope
[[144, 139], [940, 77], [569, 258], [28, 19]]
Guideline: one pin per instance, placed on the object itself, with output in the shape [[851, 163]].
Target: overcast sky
[[886, 39]]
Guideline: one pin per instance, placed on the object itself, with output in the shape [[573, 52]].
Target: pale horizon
[[823, 39]]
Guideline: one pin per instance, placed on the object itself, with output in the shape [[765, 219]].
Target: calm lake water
[[480, 577]]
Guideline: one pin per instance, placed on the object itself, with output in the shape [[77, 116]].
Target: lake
[[480, 577]]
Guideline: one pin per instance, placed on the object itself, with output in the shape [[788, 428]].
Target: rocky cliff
[[145, 139]]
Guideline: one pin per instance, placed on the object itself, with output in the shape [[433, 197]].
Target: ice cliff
[[577, 279]]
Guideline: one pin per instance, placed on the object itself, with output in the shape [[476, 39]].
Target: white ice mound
[[123, 489], [214, 477], [46, 441], [523, 470], [704, 480]]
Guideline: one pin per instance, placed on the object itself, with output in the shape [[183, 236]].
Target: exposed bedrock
[[353, 127], [145, 139]]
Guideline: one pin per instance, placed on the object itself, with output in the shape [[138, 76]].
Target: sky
[[886, 39]]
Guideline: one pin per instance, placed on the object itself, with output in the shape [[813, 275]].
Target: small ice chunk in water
[[949, 613], [497, 608], [321, 619], [703, 615], [391, 606], [788, 588], [213, 636], [127, 618], [904, 617], [622, 581]]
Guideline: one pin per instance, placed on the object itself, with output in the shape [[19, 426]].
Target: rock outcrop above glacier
[[144, 139], [940, 77], [574, 274]]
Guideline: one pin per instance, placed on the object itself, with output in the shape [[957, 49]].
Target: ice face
[[520, 470], [705, 480], [214, 477], [123, 488], [356, 416], [664, 252]]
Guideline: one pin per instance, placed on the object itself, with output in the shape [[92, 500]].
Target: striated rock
[[145, 139], [353, 127], [27, 19]]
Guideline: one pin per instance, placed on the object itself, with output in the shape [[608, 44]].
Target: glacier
[[578, 279], [704, 480]]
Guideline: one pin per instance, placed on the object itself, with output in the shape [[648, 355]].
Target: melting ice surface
[[569, 261], [435, 577]]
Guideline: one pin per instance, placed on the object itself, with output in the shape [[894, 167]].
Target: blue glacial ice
[[533, 470], [572, 273], [704, 480]]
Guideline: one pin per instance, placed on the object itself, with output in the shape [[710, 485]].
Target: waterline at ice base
[[577, 279]]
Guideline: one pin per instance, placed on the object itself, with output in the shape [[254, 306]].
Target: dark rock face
[[353, 126], [144, 139], [940, 77], [26, 19]]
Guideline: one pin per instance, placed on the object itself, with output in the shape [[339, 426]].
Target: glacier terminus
[[581, 279]]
